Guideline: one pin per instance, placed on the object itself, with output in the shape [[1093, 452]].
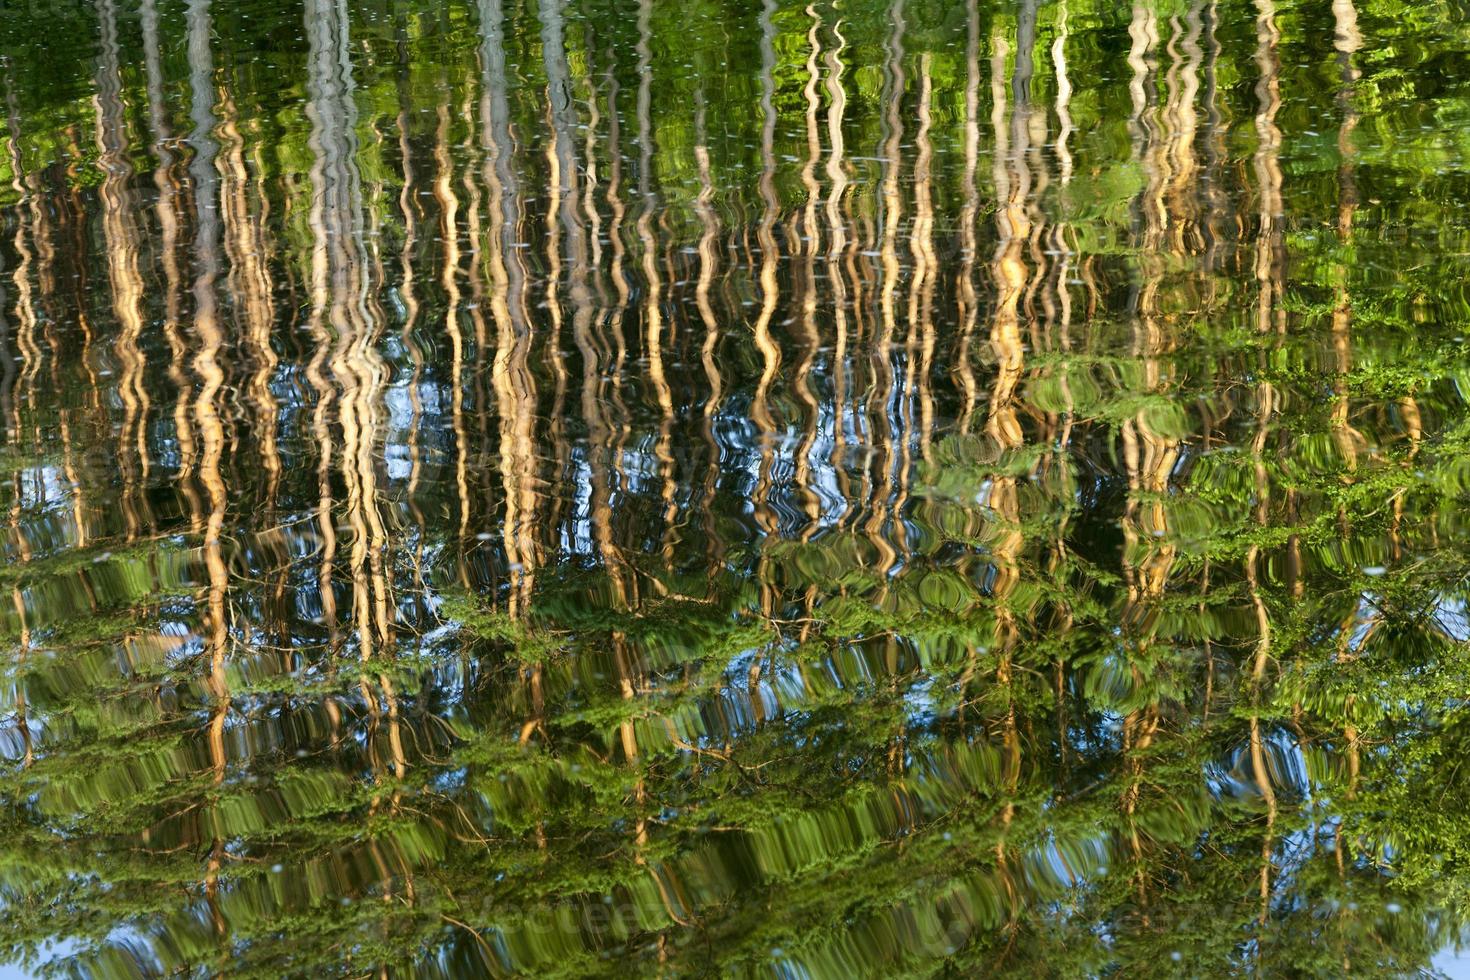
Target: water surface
[[574, 487]]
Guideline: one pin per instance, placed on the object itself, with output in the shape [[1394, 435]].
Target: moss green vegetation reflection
[[859, 488]]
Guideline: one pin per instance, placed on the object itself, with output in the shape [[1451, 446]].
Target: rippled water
[[864, 488]]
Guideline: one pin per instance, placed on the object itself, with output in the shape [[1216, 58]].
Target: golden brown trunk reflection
[[813, 487]]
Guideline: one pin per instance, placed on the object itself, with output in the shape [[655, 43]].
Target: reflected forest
[[734, 488]]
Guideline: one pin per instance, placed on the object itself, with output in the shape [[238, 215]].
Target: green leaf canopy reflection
[[562, 487]]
